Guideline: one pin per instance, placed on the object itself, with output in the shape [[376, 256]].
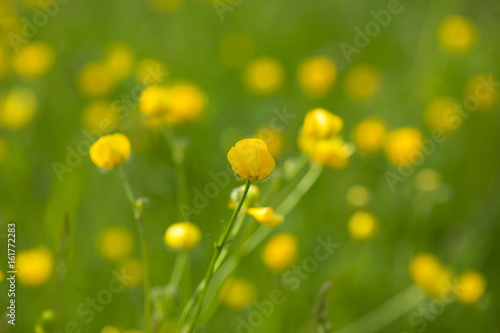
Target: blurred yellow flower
[[115, 243], [427, 180], [33, 59], [430, 275], [358, 196], [110, 151], [148, 69], [403, 146], [17, 108], [119, 59], [321, 124], [266, 216], [471, 286], [95, 79], [362, 225], [34, 266], [330, 152], [237, 293], [182, 236], [235, 49], [362, 82], [264, 75], [280, 252], [273, 138], [134, 270], [187, 102], [457, 34], [155, 101], [485, 93], [251, 160], [369, 135], [100, 115], [438, 112], [317, 75]]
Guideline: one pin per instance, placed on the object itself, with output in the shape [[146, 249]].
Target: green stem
[[138, 215], [180, 263], [218, 249]]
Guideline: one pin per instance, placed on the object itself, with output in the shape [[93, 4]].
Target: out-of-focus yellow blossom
[[266, 216], [427, 180], [148, 70], [321, 124], [369, 135], [485, 93], [251, 160], [437, 114], [187, 103], [100, 115], [362, 82], [119, 60], [33, 59], [362, 225], [430, 275], [238, 294], [236, 49], [110, 151], [165, 5], [403, 146], [251, 199], [34, 266], [110, 329], [358, 196], [17, 108], [134, 269], [264, 75], [155, 101], [330, 152], [317, 75], [3, 149], [457, 34], [115, 243], [273, 138], [471, 286], [95, 79], [280, 252], [182, 236]]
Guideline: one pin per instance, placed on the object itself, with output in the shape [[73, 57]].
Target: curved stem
[[138, 216]]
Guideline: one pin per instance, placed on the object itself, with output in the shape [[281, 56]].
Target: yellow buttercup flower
[[280, 252], [430, 275], [266, 216], [100, 115], [264, 75], [17, 108], [155, 101], [236, 49], [471, 286], [438, 112], [187, 103], [273, 138], [182, 236], [457, 34], [362, 225], [95, 79], [238, 293], [403, 146], [321, 124], [369, 135], [115, 243], [34, 266], [110, 151], [33, 59], [485, 93], [362, 82], [332, 152], [358, 196], [251, 160], [317, 75], [119, 60], [134, 270], [427, 180]]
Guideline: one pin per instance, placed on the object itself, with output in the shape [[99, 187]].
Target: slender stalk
[[180, 263], [138, 216], [218, 249]]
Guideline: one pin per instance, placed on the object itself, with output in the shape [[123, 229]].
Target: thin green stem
[[138, 216], [179, 265], [218, 249]]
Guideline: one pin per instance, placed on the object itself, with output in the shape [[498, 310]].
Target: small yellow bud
[[34, 59], [430, 275], [403, 147], [280, 252], [457, 34], [251, 160], [182, 236], [34, 266], [362, 225], [187, 103], [266, 216], [110, 151], [471, 286], [17, 108], [369, 135], [115, 243], [321, 124], [264, 76], [317, 75]]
